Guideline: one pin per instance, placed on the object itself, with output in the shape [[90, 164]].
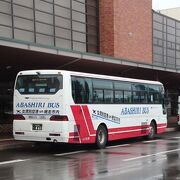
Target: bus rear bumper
[[29, 137], [50, 132]]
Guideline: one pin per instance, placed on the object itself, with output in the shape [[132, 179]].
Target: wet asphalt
[[128, 159]]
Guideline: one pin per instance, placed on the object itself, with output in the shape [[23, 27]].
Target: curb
[[171, 129], [6, 144], [8, 139]]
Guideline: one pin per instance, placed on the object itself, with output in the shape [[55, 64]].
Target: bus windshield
[[39, 84]]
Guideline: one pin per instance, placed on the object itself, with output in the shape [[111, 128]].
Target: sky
[[165, 4]]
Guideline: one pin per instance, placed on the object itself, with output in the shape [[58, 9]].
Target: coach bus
[[74, 107]]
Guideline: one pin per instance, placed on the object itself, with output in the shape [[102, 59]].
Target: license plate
[[37, 127]]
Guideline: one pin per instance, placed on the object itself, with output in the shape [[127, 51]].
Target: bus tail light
[[58, 118], [19, 117]]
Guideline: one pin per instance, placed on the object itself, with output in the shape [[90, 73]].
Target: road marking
[[150, 155], [70, 153], [152, 141], [123, 145], [175, 137], [13, 161]]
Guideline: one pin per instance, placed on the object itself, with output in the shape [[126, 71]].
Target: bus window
[[82, 90], [122, 86], [39, 84], [98, 96], [118, 97], [143, 97], [136, 97], [108, 96], [127, 97], [139, 93], [78, 89], [155, 96], [88, 90], [102, 84], [102, 91]]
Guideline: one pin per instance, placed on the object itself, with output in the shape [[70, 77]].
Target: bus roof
[[81, 74]]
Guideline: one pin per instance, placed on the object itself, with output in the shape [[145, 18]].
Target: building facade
[[172, 12], [166, 50], [166, 41], [123, 38], [67, 24], [127, 30]]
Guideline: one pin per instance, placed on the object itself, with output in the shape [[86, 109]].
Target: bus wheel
[[101, 137], [152, 131]]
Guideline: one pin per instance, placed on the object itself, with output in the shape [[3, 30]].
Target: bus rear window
[[38, 84]]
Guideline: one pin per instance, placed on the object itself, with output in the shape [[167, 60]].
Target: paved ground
[[135, 159], [11, 144], [7, 141]]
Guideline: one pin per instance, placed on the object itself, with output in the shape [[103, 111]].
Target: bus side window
[[151, 98], [118, 95], [155, 98], [127, 97], [73, 89], [139, 93], [82, 90], [108, 96], [136, 96], [144, 97], [98, 96], [78, 90], [154, 94], [103, 91], [123, 93], [88, 90]]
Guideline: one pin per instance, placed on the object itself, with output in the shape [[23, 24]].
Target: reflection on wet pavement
[[154, 160]]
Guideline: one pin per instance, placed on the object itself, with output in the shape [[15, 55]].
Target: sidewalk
[[174, 127], [7, 142], [172, 124], [10, 143]]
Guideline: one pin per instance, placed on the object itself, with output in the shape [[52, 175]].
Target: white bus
[[75, 107]]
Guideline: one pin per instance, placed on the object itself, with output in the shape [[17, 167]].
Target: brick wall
[[106, 28], [126, 29]]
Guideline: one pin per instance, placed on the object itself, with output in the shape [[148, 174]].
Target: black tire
[[101, 137], [152, 131]]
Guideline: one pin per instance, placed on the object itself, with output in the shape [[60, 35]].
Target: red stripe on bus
[[82, 125], [73, 134], [114, 134], [161, 128], [74, 140], [80, 121], [87, 134], [132, 128], [161, 125], [125, 135], [88, 120]]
